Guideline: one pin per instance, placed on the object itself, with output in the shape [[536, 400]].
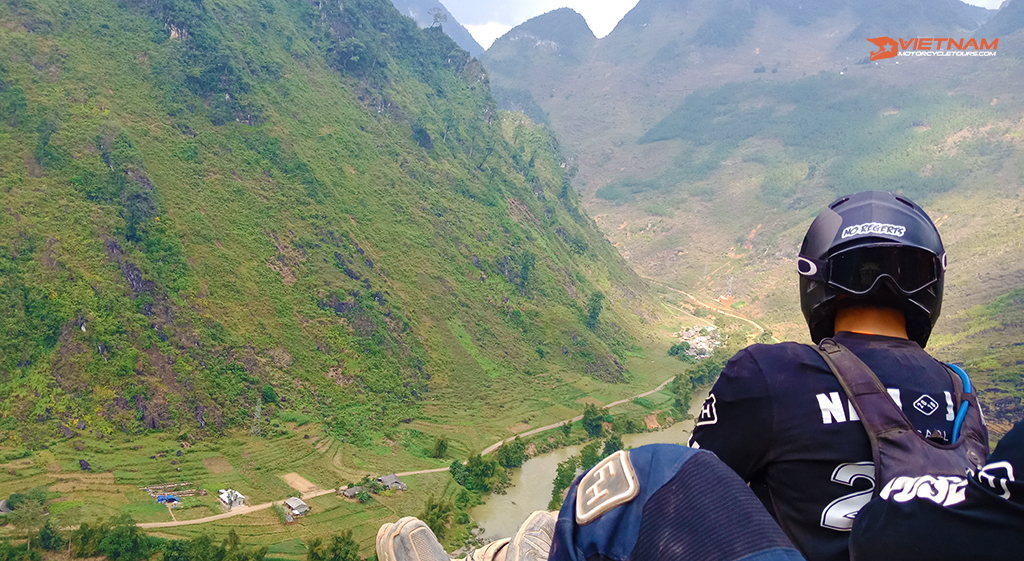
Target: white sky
[[487, 20]]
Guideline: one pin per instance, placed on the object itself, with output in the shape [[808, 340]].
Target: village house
[[231, 498], [352, 492], [296, 506], [392, 482]]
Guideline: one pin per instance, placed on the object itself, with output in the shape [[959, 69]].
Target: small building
[[231, 498], [297, 506], [4, 509], [392, 482], [352, 492]]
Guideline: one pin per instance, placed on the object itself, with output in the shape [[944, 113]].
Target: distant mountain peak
[[563, 27], [422, 12]]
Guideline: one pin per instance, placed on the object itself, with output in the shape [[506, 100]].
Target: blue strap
[[961, 414]]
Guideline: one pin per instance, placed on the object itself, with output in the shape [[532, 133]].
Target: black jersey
[[779, 418], [949, 518]]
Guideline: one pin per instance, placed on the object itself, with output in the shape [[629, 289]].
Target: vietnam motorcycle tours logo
[[938, 46]]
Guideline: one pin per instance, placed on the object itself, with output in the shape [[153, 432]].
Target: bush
[[512, 454], [592, 419]]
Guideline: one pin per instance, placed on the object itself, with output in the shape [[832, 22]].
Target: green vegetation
[[338, 548], [280, 212], [512, 454], [592, 420], [831, 126]]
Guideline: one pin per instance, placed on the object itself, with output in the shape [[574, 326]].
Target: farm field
[[293, 459]]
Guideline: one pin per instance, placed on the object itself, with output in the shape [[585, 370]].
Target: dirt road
[[713, 308], [316, 493]]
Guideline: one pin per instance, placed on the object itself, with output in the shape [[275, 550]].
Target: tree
[[479, 473], [594, 309], [440, 447], [85, 541], [202, 548], [177, 550], [459, 473], [679, 348], [527, 262], [437, 514], [564, 475], [269, 395], [592, 418], [566, 428], [611, 446], [512, 454], [590, 455], [344, 548], [363, 497], [28, 517], [339, 548], [124, 541], [439, 16], [50, 538]]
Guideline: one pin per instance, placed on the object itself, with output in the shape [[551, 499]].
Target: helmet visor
[[857, 270]]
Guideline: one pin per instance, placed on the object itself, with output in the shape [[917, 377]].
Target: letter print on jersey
[[708, 413], [839, 514]]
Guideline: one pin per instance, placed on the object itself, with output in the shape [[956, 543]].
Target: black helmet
[[873, 247]]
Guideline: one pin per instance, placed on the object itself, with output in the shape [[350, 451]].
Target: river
[[531, 487]]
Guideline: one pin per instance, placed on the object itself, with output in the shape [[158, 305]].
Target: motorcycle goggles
[[856, 271]]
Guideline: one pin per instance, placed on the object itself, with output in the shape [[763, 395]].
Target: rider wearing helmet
[[871, 272]]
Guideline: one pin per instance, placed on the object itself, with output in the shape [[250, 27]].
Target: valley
[[283, 247]]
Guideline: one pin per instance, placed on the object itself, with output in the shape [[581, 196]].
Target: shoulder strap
[[876, 408], [896, 447]]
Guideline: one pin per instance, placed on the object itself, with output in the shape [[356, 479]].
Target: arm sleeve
[[736, 420]]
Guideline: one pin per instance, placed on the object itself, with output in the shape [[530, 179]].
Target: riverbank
[[531, 485]]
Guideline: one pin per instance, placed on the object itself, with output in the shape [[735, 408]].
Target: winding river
[[501, 515]]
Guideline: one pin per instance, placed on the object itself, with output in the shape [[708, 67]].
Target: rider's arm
[[736, 420]]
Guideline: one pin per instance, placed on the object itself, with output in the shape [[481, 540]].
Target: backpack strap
[[878, 412], [897, 449]]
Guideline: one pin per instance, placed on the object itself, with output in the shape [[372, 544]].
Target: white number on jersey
[[839, 514]]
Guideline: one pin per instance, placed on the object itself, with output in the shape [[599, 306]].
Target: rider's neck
[[871, 320]]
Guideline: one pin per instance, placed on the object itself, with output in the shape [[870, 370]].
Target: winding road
[[717, 309], [319, 492]]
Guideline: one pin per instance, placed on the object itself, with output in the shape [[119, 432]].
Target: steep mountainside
[[213, 209], [423, 11], [709, 133]]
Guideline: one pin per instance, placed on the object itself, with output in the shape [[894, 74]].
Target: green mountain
[[708, 134], [424, 12], [217, 211], [541, 48]]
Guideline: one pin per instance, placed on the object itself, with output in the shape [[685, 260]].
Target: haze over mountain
[[422, 11], [707, 135]]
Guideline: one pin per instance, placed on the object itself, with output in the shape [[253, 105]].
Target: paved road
[[318, 492]]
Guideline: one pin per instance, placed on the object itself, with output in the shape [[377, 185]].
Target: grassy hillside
[[215, 212]]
